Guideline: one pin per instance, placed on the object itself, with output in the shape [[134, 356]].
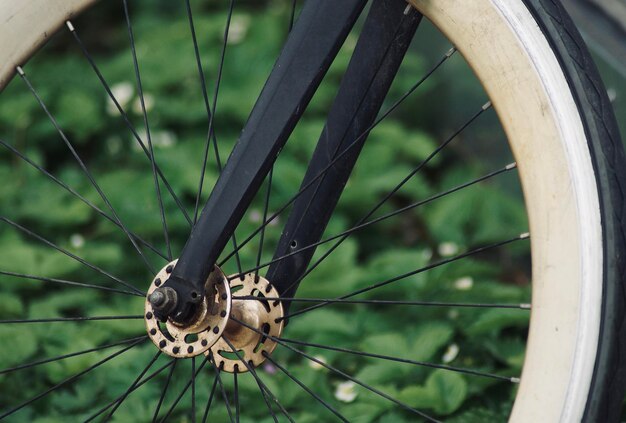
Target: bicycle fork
[[312, 45]]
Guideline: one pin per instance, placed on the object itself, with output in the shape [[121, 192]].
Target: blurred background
[[488, 340]]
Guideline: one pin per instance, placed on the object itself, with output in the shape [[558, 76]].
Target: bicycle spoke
[[70, 283], [84, 168], [132, 386], [193, 390], [77, 195], [210, 401], [523, 306], [270, 176], [65, 356], [164, 390], [180, 396], [139, 385], [362, 222], [223, 391], [339, 372], [71, 378], [306, 388], [414, 272], [69, 319], [236, 396], [354, 143], [211, 134], [262, 386], [270, 409], [157, 187], [378, 54], [406, 361], [211, 110], [265, 210], [387, 205], [343, 235], [67, 253], [126, 119]]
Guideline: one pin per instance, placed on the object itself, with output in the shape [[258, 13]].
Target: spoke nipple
[[69, 26], [19, 70], [511, 166], [451, 52], [525, 235], [525, 306], [487, 105], [515, 380]]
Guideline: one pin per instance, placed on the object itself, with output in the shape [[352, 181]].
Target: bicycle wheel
[[539, 79]]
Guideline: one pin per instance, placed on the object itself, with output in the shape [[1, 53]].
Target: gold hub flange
[[206, 327], [262, 315]]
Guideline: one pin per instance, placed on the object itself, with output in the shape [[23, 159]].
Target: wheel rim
[[547, 351], [583, 204]]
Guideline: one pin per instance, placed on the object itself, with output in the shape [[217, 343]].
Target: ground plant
[[488, 340]]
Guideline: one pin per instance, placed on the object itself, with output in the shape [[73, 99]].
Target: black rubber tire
[[609, 161]]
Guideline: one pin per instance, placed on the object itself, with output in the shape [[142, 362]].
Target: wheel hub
[[202, 330], [219, 319], [259, 317]]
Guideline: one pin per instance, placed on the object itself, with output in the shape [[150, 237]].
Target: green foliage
[[443, 392], [482, 339]]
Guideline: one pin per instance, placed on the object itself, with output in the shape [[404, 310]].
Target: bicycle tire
[[605, 391]]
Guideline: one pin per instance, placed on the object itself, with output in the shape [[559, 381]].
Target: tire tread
[[609, 161]]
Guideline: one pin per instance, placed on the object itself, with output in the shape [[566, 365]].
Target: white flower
[[269, 368], [453, 314], [148, 100], [315, 365], [238, 28], [451, 353], [275, 221], [164, 139], [77, 241], [143, 137], [255, 216], [123, 93], [448, 249], [427, 254], [160, 139], [464, 284], [346, 391]]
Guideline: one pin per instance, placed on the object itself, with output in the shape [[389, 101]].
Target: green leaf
[[326, 323], [509, 350], [386, 343], [444, 392], [19, 345], [361, 412], [81, 112], [10, 305], [495, 320], [429, 338]]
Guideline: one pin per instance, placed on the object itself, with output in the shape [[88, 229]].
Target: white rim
[[25, 25], [512, 58], [508, 52]]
